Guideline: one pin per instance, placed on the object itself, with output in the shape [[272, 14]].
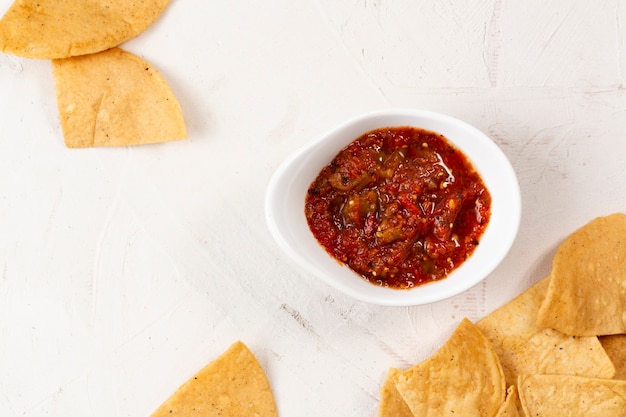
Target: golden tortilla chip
[[463, 378], [64, 28], [572, 396], [587, 291], [510, 406], [391, 402], [115, 98], [526, 348], [615, 347], [234, 385]]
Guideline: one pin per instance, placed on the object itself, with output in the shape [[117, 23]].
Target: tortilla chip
[[526, 348], [234, 385], [615, 347], [510, 406], [114, 98], [572, 396], [391, 402], [463, 378], [587, 291], [64, 28]]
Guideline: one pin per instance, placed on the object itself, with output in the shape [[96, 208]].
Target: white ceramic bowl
[[288, 187]]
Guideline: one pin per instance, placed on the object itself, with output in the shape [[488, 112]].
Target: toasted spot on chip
[[526, 348], [587, 291], [64, 28], [615, 347], [232, 385], [391, 402], [115, 98], [463, 378], [572, 396]]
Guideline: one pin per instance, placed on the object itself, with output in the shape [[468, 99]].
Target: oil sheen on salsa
[[400, 206]]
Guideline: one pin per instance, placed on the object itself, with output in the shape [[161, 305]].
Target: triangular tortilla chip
[[587, 291], [64, 28], [526, 348], [391, 402], [115, 98], [572, 396], [462, 378], [615, 347], [233, 385]]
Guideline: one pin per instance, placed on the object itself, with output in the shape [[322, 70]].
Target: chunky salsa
[[400, 206]]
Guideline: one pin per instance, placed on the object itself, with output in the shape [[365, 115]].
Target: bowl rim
[[508, 218]]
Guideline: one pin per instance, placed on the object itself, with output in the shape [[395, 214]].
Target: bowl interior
[[287, 191]]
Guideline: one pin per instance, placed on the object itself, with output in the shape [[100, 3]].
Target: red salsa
[[400, 206]]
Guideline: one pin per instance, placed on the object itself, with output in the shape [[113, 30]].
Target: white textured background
[[123, 271]]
